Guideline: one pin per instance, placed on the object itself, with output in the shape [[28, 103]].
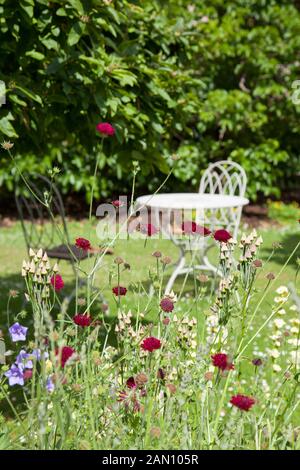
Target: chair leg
[[176, 272]]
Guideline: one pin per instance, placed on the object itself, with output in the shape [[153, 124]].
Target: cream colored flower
[[279, 323], [282, 311], [276, 368], [280, 300], [274, 353], [282, 290]]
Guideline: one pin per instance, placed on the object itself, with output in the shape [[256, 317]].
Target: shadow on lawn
[[280, 256], [18, 304]]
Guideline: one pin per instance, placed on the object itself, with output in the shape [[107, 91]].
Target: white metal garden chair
[[221, 178]]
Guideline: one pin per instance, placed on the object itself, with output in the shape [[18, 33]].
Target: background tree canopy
[[207, 80]]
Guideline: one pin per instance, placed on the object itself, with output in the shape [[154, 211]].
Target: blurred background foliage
[[204, 79]]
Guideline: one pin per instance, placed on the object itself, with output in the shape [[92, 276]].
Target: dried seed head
[[270, 276], [203, 278], [7, 145], [157, 254], [118, 260], [166, 260], [257, 263], [172, 388], [208, 375], [13, 293], [141, 379], [155, 432]]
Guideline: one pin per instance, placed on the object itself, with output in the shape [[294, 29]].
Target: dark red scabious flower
[[191, 228], [105, 129], [166, 305], [242, 402], [57, 282], [131, 383], [257, 362], [83, 243], [148, 229], [119, 290], [117, 203], [161, 374], [64, 354], [221, 361], [82, 320], [222, 236], [150, 344]]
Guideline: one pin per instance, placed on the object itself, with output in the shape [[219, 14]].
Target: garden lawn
[[140, 259]]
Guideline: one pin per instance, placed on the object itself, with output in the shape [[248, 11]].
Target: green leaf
[[35, 55], [30, 94], [77, 5], [27, 6], [6, 127], [76, 32]]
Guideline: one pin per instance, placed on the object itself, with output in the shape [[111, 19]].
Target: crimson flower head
[[82, 320], [242, 402], [148, 229], [27, 374], [257, 362], [191, 228], [221, 361], [131, 382], [64, 354], [222, 236], [150, 344], [166, 305], [117, 203], [119, 290], [105, 129], [83, 243], [57, 282]]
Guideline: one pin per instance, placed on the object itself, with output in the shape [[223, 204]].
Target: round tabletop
[[190, 201]]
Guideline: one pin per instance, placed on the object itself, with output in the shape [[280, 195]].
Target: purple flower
[[15, 375], [50, 385], [24, 359], [18, 332]]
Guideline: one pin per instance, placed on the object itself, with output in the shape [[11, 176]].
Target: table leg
[[206, 265], [178, 270]]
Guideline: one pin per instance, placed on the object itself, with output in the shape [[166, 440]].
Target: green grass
[[141, 261]]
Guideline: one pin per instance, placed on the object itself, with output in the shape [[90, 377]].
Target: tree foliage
[[206, 80]]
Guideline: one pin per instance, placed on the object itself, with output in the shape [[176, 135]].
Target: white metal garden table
[[213, 211]]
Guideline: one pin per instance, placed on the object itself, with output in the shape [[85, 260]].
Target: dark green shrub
[[205, 79]]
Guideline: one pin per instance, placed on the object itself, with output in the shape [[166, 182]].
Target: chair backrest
[[224, 177], [37, 222]]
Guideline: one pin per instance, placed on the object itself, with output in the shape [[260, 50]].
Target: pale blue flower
[[50, 385], [24, 359], [15, 375], [18, 332]]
